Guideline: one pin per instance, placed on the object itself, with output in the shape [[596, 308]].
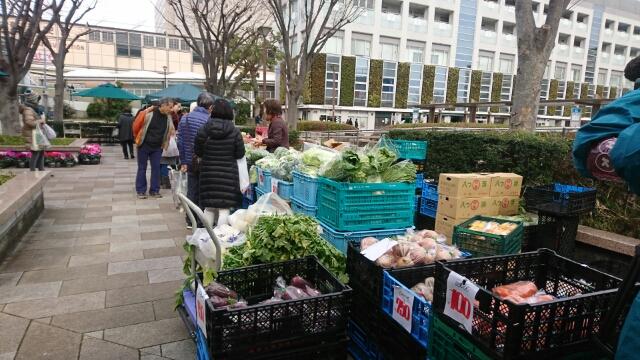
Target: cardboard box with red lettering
[[464, 208], [506, 184], [464, 185], [506, 205], [445, 224]]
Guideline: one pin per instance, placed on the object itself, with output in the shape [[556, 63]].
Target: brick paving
[[96, 276]]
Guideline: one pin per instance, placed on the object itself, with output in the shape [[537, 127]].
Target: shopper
[[219, 145], [151, 130], [125, 133], [278, 134], [168, 161], [30, 121], [356, 124], [187, 130]]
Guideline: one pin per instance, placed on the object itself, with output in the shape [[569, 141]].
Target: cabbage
[[404, 171]]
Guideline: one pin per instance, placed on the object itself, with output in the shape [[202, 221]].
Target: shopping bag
[[179, 186], [49, 132], [172, 148], [115, 133], [243, 174], [38, 139]]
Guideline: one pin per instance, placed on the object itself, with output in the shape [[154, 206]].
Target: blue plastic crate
[[300, 207], [417, 204], [340, 239], [264, 180], [429, 207], [430, 190], [361, 346], [285, 188], [419, 180], [411, 149], [202, 353], [421, 312], [259, 193], [189, 304], [365, 206], [305, 188]]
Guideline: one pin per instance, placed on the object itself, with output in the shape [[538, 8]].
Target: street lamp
[[164, 68], [264, 31]]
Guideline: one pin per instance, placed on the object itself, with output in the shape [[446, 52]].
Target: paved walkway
[[96, 276]]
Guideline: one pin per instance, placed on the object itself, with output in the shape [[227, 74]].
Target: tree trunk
[[526, 92], [58, 103], [292, 109], [9, 117]]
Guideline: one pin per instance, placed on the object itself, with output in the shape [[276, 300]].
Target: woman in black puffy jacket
[[219, 145]]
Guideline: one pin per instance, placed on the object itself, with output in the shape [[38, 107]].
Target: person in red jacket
[[278, 134]]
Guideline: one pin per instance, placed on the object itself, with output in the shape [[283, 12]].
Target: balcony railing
[[442, 29], [391, 21], [509, 39], [562, 50], [366, 17], [418, 25], [488, 36], [622, 35], [604, 57], [618, 60], [578, 53], [581, 26], [566, 23]]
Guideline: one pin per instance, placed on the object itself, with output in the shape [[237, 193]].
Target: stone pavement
[[96, 276]]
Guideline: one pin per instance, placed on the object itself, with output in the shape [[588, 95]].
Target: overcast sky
[[128, 14]]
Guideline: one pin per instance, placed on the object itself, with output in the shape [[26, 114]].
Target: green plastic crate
[[364, 206], [447, 343], [483, 244], [411, 149]]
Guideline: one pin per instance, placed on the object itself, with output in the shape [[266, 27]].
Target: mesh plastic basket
[[485, 244], [560, 199], [299, 207], [449, 343], [340, 239], [305, 188], [264, 180], [557, 232], [411, 149]]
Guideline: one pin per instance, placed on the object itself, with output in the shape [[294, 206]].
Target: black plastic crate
[[557, 233], [364, 274], [397, 344], [529, 238], [509, 331], [281, 327], [560, 199]]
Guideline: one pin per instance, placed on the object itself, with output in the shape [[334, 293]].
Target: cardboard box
[[506, 184], [465, 185], [507, 205], [464, 208], [445, 224]]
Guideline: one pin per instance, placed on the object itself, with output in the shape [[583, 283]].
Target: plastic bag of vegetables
[[404, 171], [313, 159]]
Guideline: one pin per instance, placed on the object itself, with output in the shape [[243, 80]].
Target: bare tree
[[534, 48], [319, 20], [60, 47], [216, 30], [21, 31]]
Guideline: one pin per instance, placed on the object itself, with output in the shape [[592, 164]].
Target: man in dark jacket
[[219, 144], [187, 129], [125, 132], [278, 135]]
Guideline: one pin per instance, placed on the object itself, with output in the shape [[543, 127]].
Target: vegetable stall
[[327, 260]]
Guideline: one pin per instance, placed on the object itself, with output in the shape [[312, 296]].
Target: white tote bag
[[49, 132], [172, 149], [243, 174]]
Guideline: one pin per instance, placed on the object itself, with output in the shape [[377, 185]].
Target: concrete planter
[[21, 203], [74, 147]]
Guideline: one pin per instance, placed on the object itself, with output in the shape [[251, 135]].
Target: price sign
[[461, 295], [402, 307], [274, 185], [201, 297]]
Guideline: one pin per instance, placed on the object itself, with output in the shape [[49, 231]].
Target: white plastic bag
[[172, 149], [243, 174], [49, 132], [267, 204], [178, 185], [38, 139]]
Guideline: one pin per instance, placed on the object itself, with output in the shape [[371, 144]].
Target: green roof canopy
[[185, 93], [107, 91]]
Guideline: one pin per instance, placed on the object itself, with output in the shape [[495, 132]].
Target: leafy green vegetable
[[280, 238], [404, 171], [254, 154]]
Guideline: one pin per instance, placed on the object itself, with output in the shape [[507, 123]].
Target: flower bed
[[90, 154]]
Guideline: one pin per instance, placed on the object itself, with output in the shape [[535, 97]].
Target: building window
[[576, 73], [361, 81], [94, 36], [361, 47], [415, 84], [546, 70], [107, 36], [415, 52], [439, 84], [365, 4], [388, 83], [161, 42], [148, 40], [196, 58], [561, 71], [602, 77], [333, 45], [174, 44], [332, 80], [184, 46], [506, 63], [440, 55], [128, 44], [442, 16], [508, 28], [122, 44], [616, 79], [485, 61], [582, 18], [389, 49], [135, 45]]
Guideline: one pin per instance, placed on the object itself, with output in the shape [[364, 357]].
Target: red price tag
[[402, 307], [201, 315], [461, 294], [274, 185]]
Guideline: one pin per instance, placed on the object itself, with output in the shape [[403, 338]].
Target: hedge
[[496, 90], [599, 91], [318, 78], [541, 159], [375, 83], [452, 85], [347, 80], [451, 125], [402, 82], [283, 85], [553, 95], [306, 90], [568, 94], [584, 94], [613, 92], [323, 126], [428, 79], [476, 80]]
